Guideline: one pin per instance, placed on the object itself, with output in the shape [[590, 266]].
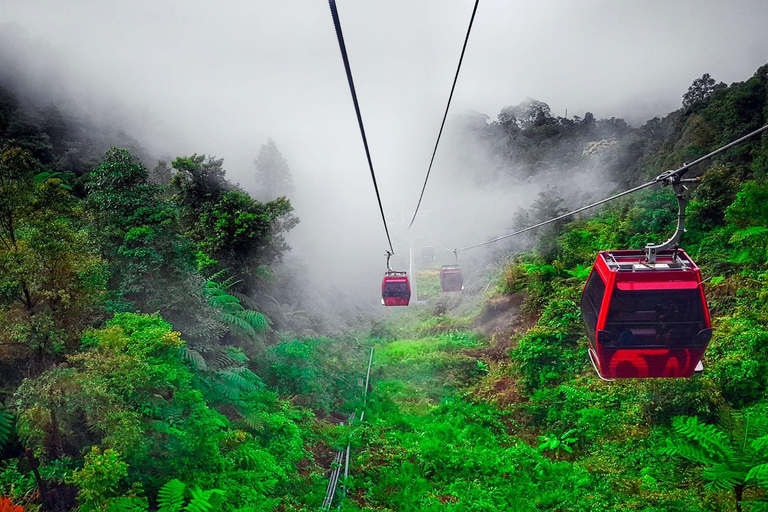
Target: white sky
[[221, 77]]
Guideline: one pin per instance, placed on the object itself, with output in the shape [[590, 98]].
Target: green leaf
[[171, 496]]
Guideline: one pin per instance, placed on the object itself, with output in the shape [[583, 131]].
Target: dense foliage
[[138, 372]]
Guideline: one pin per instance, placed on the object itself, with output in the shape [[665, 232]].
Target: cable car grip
[[671, 178]]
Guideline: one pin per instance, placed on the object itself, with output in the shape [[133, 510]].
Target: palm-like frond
[[238, 325], [713, 441], [171, 496], [688, 451], [237, 377], [722, 477], [242, 322], [6, 426], [759, 475], [194, 358], [752, 232], [205, 501]]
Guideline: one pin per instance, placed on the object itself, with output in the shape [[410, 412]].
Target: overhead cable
[[560, 217], [343, 48], [665, 177], [445, 116]]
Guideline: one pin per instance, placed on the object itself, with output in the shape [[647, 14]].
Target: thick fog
[[221, 77]]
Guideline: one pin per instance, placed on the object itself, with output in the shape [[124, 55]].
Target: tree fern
[[732, 463], [242, 322], [170, 498]]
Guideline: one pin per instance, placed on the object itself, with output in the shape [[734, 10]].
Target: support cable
[[667, 178], [437, 244], [445, 116], [560, 217], [343, 48]]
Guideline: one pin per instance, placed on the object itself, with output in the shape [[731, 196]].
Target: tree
[[700, 90], [161, 174], [136, 396], [527, 114], [243, 234], [272, 172], [199, 180], [51, 277], [137, 229], [152, 265]]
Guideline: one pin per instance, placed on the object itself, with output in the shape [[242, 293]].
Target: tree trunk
[[739, 492], [41, 487]]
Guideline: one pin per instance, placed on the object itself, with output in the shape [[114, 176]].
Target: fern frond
[[194, 358], [759, 475], [224, 301], [238, 325], [214, 279], [748, 233], [171, 496], [258, 321], [760, 445], [204, 501], [252, 419], [573, 394], [711, 439], [227, 390], [235, 379], [722, 477], [229, 283], [244, 299], [6, 427], [223, 357], [688, 451], [237, 354]]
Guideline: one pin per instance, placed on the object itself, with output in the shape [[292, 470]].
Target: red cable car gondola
[[451, 279], [645, 320], [395, 289], [645, 311]]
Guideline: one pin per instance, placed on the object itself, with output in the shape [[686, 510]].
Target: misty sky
[[221, 77]]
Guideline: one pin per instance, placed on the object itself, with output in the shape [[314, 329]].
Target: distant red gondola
[[451, 279], [645, 320], [395, 289]]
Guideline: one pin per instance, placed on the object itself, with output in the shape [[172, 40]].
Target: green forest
[[142, 366]]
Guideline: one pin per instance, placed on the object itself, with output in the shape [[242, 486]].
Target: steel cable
[[343, 48], [665, 177], [445, 116]]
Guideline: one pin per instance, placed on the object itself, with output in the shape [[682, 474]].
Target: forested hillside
[[143, 365]]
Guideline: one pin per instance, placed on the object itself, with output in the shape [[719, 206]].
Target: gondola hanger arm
[[674, 179]]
